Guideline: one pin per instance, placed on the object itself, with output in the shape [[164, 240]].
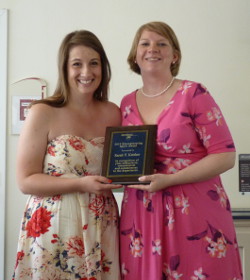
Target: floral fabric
[[183, 232], [70, 236]]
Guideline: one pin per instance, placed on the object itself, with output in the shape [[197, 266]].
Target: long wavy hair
[[162, 29], [78, 38]]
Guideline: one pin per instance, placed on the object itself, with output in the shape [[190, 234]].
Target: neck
[[80, 104], [154, 88], [155, 80]]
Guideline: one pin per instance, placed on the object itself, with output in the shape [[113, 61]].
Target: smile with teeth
[[85, 82], [152, 58]]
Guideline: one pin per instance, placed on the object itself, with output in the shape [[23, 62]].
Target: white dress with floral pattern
[[70, 236]]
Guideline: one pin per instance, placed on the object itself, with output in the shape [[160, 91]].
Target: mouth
[[153, 59], [85, 82]]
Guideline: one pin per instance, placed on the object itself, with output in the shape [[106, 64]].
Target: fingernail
[[110, 181]]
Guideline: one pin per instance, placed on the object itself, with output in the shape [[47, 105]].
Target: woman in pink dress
[[180, 225], [70, 223]]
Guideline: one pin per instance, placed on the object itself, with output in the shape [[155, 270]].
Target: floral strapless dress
[[70, 236]]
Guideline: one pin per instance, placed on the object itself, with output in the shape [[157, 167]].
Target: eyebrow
[[160, 40], [79, 59]]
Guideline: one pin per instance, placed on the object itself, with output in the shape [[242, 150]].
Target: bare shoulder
[[38, 118], [40, 110], [111, 112], [111, 106]]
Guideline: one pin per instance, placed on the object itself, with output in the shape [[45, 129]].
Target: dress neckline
[[75, 136], [164, 109]]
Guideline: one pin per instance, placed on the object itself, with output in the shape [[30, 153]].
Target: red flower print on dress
[[106, 269], [56, 238], [51, 150], [86, 161], [19, 257], [54, 171], [75, 246], [56, 197], [76, 144], [97, 205], [39, 222], [105, 262], [85, 227]]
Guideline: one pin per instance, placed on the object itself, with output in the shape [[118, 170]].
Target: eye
[[162, 44], [76, 64], [144, 43], [94, 62]]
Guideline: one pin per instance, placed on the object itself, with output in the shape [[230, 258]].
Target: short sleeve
[[210, 123]]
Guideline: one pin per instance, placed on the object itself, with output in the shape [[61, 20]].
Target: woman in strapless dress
[[69, 229]]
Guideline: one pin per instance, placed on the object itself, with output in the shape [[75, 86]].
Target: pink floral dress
[[71, 236], [183, 232]]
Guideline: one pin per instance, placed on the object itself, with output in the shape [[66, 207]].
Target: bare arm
[[206, 168], [31, 152]]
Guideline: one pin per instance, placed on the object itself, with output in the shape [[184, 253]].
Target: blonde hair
[[162, 29]]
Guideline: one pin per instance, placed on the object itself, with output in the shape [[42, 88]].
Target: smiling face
[[154, 53], [84, 70]]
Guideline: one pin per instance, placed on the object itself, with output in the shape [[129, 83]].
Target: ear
[[175, 57]]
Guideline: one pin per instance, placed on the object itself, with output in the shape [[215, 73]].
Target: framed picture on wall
[[20, 110]]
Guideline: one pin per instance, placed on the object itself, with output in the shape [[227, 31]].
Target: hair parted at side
[[162, 29], [78, 38]]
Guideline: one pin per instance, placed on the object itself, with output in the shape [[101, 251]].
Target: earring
[[135, 62], [173, 62]]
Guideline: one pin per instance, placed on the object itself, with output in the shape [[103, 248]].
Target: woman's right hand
[[96, 184]]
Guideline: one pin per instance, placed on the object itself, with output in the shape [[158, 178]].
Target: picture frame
[[20, 109]]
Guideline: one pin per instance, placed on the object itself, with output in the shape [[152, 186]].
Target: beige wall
[[215, 41]]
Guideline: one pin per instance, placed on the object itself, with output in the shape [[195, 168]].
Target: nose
[[84, 70], [153, 48]]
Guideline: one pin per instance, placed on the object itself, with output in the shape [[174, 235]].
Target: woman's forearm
[[204, 169], [46, 185]]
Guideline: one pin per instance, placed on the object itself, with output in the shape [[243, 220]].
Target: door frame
[[3, 130]]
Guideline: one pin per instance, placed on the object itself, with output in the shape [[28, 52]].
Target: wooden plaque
[[129, 153]]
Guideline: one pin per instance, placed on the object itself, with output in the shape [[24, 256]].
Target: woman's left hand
[[157, 182]]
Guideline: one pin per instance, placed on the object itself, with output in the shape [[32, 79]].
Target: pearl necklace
[[160, 93]]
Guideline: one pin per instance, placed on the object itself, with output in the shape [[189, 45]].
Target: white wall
[[215, 41]]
